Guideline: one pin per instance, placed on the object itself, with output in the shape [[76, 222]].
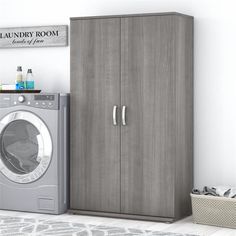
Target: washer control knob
[[21, 99]]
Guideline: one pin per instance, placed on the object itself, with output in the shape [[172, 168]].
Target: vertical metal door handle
[[123, 115], [114, 115]]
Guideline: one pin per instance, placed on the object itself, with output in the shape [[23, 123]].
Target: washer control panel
[[43, 101], [48, 101]]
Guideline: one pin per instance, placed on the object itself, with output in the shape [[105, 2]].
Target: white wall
[[215, 66]]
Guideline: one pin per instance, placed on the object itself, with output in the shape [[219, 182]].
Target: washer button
[[21, 99]]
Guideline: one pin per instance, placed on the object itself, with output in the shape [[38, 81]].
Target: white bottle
[[19, 74]]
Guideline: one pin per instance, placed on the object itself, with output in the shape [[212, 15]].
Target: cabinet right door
[[148, 138]]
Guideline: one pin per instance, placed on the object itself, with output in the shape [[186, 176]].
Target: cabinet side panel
[[184, 115]]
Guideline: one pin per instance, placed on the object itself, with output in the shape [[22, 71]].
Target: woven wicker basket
[[217, 211]]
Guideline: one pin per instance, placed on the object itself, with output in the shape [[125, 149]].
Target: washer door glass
[[26, 147], [20, 147]]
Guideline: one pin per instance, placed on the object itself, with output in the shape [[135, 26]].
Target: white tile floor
[[182, 226]]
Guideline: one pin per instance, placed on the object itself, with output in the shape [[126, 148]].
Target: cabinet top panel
[[129, 15]]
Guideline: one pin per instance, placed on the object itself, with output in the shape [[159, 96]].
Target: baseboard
[[123, 216]]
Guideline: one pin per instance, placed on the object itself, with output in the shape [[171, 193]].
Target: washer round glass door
[[25, 147]]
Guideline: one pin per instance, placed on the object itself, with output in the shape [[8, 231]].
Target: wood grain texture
[[148, 140], [144, 169], [95, 89], [184, 115]]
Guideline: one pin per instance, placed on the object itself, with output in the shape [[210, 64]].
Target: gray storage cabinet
[[132, 116]]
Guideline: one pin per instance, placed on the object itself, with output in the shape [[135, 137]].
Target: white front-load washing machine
[[34, 152]]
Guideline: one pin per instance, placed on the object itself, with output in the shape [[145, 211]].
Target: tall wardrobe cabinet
[[132, 116]]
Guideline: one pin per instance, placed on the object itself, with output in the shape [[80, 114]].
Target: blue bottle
[[29, 83]]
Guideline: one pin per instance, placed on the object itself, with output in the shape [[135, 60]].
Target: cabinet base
[[124, 216]]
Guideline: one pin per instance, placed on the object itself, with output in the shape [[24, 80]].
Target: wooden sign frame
[[39, 36]]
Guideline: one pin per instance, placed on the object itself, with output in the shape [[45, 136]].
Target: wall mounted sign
[[41, 36]]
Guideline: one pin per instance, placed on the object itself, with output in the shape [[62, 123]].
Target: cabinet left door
[[95, 90]]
